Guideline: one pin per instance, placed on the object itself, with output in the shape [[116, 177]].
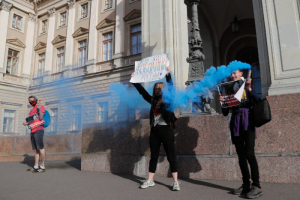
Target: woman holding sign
[[162, 125], [243, 136]]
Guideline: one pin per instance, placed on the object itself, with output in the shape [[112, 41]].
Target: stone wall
[[58, 147], [203, 146]]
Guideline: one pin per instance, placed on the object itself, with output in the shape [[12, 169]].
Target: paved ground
[[64, 180]]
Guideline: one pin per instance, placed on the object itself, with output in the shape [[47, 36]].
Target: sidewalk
[[63, 181]]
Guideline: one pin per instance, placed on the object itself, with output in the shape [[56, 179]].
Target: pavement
[[64, 180]]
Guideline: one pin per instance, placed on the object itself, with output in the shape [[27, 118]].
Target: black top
[[167, 116], [251, 99]]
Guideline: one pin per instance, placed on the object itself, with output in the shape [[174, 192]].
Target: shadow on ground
[[29, 160]]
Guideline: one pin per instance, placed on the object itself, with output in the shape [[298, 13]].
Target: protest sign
[[232, 93], [150, 69]]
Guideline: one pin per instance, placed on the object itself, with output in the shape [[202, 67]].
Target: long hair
[[156, 99]]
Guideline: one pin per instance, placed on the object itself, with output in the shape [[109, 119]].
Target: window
[[63, 17], [60, 58], [103, 112], [53, 124], [17, 22], [82, 53], [44, 26], [8, 121], [108, 4], [12, 62], [41, 64], [131, 114], [76, 118], [84, 10], [136, 39], [107, 46]]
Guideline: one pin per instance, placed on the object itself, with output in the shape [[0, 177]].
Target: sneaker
[[176, 186], [31, 169], [241, 190], [39, 170], [254, 193], [147, 184]]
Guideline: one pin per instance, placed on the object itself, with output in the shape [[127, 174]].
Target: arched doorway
[[250, 55]]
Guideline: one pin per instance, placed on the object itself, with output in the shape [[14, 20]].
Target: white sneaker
[[176, 186], [147, 184]]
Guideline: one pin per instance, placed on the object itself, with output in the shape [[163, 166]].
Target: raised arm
[[252, 93], [169, 79], [142, 91]]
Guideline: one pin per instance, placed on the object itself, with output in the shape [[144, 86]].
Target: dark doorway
[[250, 55]]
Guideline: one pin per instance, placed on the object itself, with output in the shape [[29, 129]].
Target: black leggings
[[164, 135], [244, 145]]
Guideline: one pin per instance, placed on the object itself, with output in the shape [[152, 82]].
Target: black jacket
[[168, 116], [252, 98]]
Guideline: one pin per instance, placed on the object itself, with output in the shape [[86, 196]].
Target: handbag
[[261, 113]]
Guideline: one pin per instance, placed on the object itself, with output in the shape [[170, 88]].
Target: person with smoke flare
[[243, 134], [162, 125]]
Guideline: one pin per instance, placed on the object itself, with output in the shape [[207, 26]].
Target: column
[[70, 31], [262, 47], [4, 19], [93, 38], [119, 34], [282, 24], [165, 30], [49, 48], [28, 54]]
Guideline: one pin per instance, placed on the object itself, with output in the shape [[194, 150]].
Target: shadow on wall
[[119, 148]]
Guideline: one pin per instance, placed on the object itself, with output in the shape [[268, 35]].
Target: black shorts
[[37, 140]]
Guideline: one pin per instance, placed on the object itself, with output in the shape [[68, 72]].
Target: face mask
[[33, 103]]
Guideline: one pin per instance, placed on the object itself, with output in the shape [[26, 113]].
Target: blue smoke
[[179, 99]]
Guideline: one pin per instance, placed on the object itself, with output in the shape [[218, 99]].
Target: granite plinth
[[272, 169], [202, 135], [11, 158], [202, 145], [7, 145], [23, 145], [281, 135], [113, 163], [113, 138], [58, 147], [77, 142], [58, 143]]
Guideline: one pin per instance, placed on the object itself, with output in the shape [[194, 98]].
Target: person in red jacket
[[37, 134]]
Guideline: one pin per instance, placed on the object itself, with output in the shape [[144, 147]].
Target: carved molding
[[59, 39], [32, 17], [133, 15], [40, 45], [51, 12], [71, 3], [80, 31], [15, 42], [6, 6], [105, 23]]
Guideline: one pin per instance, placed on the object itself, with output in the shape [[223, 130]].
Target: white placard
[[150, 69]]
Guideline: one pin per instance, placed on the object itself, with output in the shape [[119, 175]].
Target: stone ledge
[[67, 157]]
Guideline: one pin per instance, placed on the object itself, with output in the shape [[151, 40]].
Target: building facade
[[67, 52]]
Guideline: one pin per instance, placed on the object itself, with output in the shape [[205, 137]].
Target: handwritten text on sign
[[150, 69]]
